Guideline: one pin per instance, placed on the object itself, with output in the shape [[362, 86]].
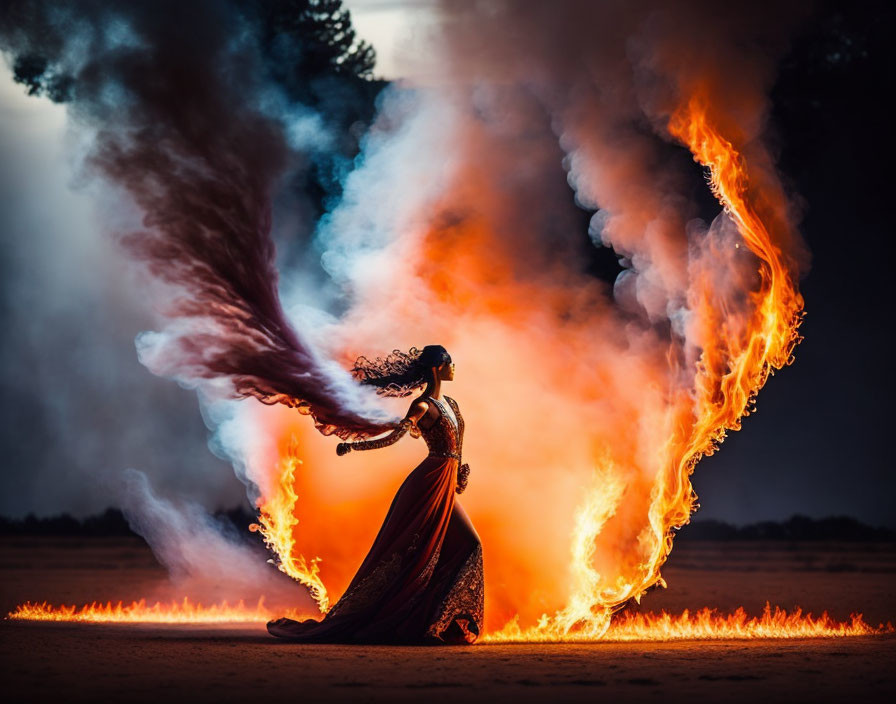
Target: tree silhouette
[[308, 49], [318, 34], [304, 42]]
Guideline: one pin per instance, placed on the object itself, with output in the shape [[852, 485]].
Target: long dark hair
[[399, 373]]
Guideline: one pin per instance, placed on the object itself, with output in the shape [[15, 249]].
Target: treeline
[[112, 523], [109, 524], [802, 528]]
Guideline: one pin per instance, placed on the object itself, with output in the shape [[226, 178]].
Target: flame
[[705, 624], [600, 504], [615, 556], [472, 272], [623, 528], [184, 611], [736, 359], [277, 522]]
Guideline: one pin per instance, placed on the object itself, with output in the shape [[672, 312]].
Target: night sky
[[76, 407], [822, 440]]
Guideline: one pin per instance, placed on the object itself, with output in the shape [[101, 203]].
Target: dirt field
[[71, 662]]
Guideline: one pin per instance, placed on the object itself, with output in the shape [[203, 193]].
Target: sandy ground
[[72, 662]]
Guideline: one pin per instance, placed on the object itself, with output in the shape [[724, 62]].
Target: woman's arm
[[415, 413]]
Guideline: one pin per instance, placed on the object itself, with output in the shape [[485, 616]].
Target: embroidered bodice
[[444, 437]]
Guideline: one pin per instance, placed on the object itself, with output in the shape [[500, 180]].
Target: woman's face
[[446, 371]]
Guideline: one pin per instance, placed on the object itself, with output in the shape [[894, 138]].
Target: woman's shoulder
[[420, 403]]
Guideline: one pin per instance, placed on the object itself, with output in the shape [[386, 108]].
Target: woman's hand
[[463, 476]]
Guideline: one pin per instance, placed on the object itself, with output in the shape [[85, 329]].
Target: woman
[[422, 579]]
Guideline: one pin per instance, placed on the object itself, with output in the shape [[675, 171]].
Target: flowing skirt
[[421, 582]]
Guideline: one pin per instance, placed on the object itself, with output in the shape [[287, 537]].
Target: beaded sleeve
[[389, 439]]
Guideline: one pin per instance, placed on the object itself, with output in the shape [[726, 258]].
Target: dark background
[[822, 440]]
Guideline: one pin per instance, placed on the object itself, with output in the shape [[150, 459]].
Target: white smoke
[[206, 558], [77, 405]]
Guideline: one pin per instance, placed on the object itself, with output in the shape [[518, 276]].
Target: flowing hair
[[399, 373]]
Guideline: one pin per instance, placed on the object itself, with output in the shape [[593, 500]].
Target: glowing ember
[[140, 612]]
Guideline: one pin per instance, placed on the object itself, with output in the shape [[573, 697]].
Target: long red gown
[[422, 581]]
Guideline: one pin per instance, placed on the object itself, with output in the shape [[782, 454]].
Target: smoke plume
[[588, 403], [571, 390]]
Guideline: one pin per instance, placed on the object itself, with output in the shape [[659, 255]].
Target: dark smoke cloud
[[186, 127], [184, 137]]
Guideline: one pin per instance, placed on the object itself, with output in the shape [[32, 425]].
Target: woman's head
[[402, 372], [437, 359]]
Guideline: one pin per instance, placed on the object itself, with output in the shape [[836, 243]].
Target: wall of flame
[[587, 410], [581, 468]]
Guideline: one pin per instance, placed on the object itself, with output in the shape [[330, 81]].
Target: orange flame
[[737, 352], [277, 522], [184, 611], [736, 359], [705, 624]]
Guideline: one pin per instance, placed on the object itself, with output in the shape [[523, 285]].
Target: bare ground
[[72, 662]]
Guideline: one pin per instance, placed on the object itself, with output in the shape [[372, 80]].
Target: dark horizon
[[113, 523]]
